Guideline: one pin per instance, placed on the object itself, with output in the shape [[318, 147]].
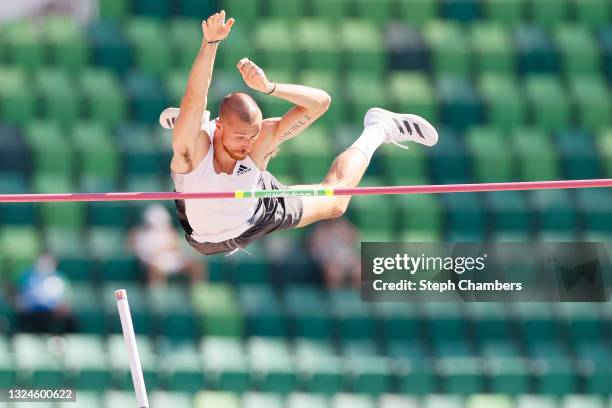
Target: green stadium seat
[[110, 48], [318, 48], [556, 376], [171, 399], [273, 363], [114, 9], [217, 310], [489, 401], [37, 361], [421, 99], [308, 311], [182, 366], [24, 47], [138, 182], [490, 151], [52, 154], [444, 320], [107, 214], [97, 155], [443, 401], [418, 12], [119, 362], [598, 373], [578, 50], [69, 49], [370, 375], [449, 47], [140, 153], [490, 319], [115, 398], [89, 315], [493, 48], [464, 215], [402, 170], [276, 46], [320, 369], [397, 401], [17, 213], [533, 401], [579, 156], [464, 11], [548, 102], [105, 242], [548, 13], [216, 399], [20, 248], [537, 157], [509, 376], [17, 100], [448, 161], [146, 96], [595, 215], [375, 11], [582, 401], [104, 97], [315, 152], [152, 51], [120, 266], [152, 8], [593, 102], [85, 399], [592, 13], [604, 147], [536, 322], [461, 106], [555, 211], [605, 45], [306, 400], [68, 246], [185, 39], [535, 50], [261, 400], [582, 321], [374, 214], [175, 316], [407, 48], [245, 12], [262, 311], [508, 212], [462, 376], [197, 8], [343, 400], [86, 362], [353, 316], [225, 364], [8, 373], [361, 41], [420, 214], [286, 9], [504, 102]]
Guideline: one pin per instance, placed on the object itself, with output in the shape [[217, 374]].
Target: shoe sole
[[167, 118], [422, 124]]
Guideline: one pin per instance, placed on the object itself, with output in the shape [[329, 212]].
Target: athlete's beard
[[233, 154]]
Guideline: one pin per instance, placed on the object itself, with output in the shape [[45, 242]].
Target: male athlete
[[232, 151]]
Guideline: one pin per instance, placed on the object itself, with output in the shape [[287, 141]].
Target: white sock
[[371, 138]]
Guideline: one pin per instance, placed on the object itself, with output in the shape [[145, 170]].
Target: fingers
[[230, 23]]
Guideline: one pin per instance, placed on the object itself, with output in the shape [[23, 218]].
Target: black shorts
[[271, 214]]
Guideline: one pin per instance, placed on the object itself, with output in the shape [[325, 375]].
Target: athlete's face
[[238, 137]]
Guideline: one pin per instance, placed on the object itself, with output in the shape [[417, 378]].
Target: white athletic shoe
[[167, 119], [401, 127]]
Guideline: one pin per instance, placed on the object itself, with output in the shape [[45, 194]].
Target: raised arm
[[193, 104], [310, 103]]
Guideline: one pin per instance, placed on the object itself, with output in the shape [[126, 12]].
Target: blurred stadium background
[[520, 90]]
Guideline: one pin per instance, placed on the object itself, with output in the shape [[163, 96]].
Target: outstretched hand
[[215, 28], [254, 76]]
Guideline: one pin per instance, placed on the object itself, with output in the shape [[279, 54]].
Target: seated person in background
[[158, 246], [42, 299], [334, 246]]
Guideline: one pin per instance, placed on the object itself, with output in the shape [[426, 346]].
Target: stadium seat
[[418, 12], [578, 50], [492, 401], [181, 365], [548, 102], [217, 310], [493, 48], [320, 369], [171, 399], [361, 42], [407, 48], [152, 50], [225, 364], [462, 376], [421, 100], [306, 400], [197, 8], [110, 47], [244, 11], [288, 9], [506, 12], [103, 96], [592, 13], [86, 362], [590, 207], [308, 312], [489, 149], [343, 400], [509, 375], [68, 46], [578, 154], [24, 47], [504, 102], [210, 399], [262, 310], [508, 212], [535, 50], [548, 13], [38, 361], [449, 48], [319, 47], [261, 400], [443, 401], [272, 365], [146, 97], [378, 12], [114, 9], [555, 211], [461, 106], [276, 46], [449, 160], [464, 215], [17, 99], [537, 157], [592, 101]]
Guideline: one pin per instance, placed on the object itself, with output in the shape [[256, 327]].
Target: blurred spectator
[[334, 247], [158, 246], [42, 299]]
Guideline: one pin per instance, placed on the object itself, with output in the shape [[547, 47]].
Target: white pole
[[132, 348]]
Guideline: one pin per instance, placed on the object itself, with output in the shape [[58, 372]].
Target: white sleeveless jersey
[[218, 220]]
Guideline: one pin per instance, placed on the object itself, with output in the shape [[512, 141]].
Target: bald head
[[239, 106]]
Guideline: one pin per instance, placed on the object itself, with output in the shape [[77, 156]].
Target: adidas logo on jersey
[[242, 169]]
